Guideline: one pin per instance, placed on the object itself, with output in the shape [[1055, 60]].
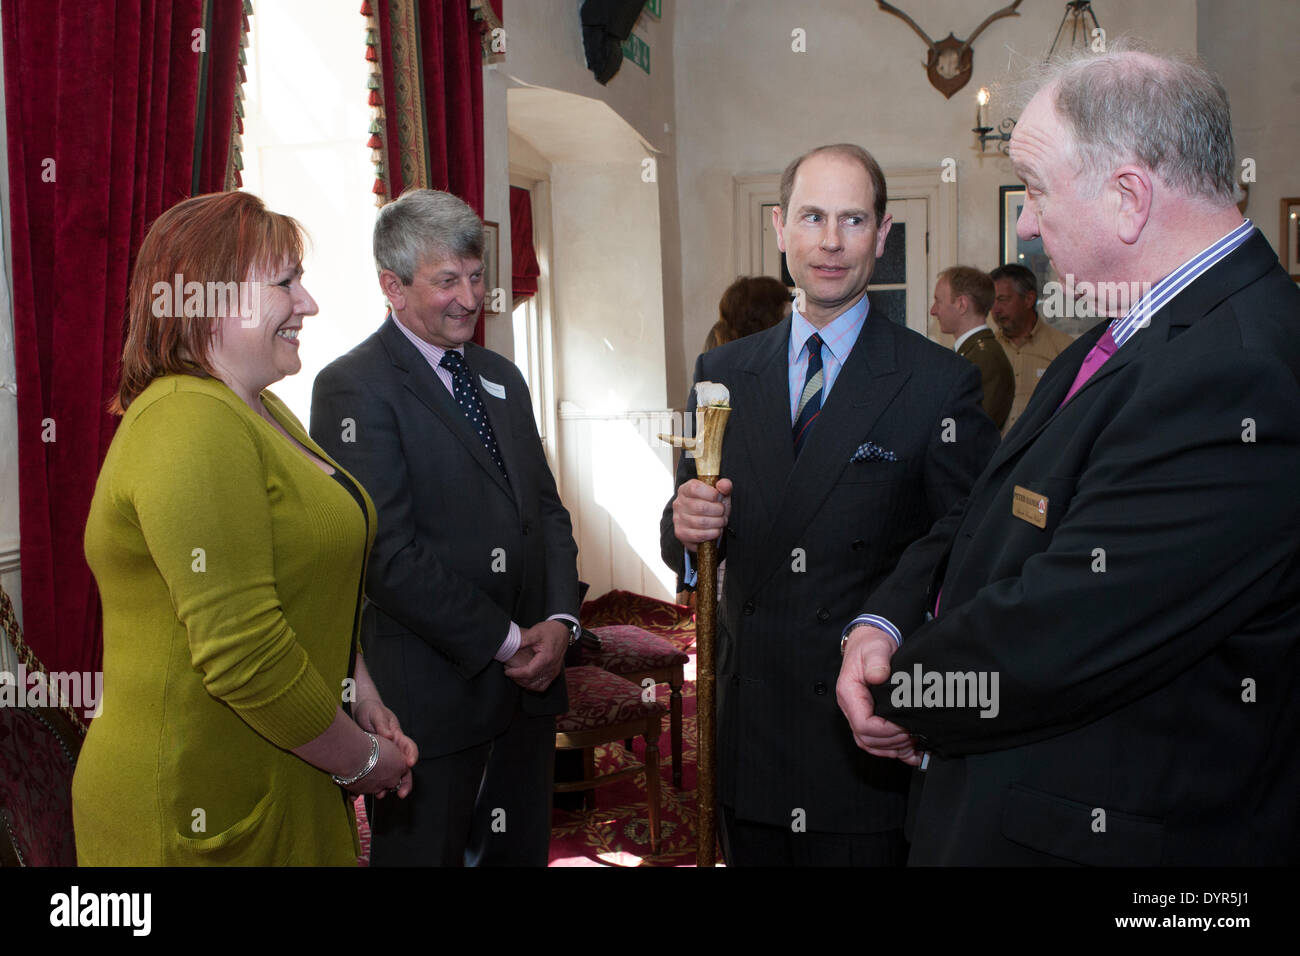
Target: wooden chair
[[635, 654], [603, 708], [38, 752]]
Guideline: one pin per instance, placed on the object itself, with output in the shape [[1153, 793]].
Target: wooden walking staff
[[712, 408]]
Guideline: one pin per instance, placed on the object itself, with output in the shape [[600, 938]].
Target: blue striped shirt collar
[[1160, 294], [838, 335]]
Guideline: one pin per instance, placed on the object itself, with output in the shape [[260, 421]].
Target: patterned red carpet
[[616, 832]]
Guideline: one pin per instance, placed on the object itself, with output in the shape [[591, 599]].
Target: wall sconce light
[[984, 132]]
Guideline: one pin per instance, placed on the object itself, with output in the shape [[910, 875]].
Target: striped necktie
[[810, 399], [471, 404]]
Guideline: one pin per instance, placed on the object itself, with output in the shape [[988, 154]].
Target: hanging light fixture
[[1076, 14]]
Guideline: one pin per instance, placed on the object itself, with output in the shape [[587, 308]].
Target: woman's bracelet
[[370, 764]]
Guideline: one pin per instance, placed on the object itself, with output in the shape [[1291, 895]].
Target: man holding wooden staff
[[849, 435]]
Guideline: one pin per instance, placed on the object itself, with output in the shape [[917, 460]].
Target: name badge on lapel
[[492, 388], [1029, 506]]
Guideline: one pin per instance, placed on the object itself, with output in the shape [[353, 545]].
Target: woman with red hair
[[230, 554]]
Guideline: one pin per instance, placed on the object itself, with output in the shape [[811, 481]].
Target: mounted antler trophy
[[950, 60]]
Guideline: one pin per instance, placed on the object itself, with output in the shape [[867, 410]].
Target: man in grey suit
[[472, 582], [849, 436]]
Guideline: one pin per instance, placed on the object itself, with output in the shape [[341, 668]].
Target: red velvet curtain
[[430, 93], [102, 102], [523, 256]]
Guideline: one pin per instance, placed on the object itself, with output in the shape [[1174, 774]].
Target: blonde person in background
[[229, 550]]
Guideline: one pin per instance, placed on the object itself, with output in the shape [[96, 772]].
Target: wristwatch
[[575, 631]]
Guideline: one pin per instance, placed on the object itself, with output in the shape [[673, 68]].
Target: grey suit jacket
[[460, 550]]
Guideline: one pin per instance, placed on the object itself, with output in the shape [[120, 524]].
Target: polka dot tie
[[467, 398]]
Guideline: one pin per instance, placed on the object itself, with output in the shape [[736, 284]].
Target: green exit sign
[[638, 51], [655, 8]]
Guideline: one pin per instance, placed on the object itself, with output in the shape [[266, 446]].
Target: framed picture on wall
[[491, 264], [1289, 230], [1029, 253]]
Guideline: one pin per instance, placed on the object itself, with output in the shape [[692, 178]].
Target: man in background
[[962, 299], [1030, 344]]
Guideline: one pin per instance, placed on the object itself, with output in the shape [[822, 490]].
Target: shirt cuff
[[510, 646], [689, 576], [568, 618], [875, 620]]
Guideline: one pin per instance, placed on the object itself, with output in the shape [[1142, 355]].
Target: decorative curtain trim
[[396, 100], [375, 84], [406, 111], [235, 162], [426, 88]]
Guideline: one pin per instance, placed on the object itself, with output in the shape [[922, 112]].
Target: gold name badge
[[1029, 506]]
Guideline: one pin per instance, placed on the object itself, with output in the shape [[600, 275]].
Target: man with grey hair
[[472, 581], [1125, 576]]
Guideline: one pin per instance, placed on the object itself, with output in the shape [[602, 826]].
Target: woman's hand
[[371, 715], [392, 774]]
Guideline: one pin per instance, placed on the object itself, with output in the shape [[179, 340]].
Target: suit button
[[858, 545], [735, 680], [527, 527], [819, 688], [748, 607], [823, 615], [731, 532]]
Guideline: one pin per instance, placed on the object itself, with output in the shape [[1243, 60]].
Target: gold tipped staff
[[710, 423]]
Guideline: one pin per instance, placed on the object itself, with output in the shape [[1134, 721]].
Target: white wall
[[544, 49], [748, 104], [608, 292], [1255, 57], [613, 266]]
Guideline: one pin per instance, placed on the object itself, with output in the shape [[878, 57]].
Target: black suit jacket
[[1147, 637], [460, 551], [806, 542]]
